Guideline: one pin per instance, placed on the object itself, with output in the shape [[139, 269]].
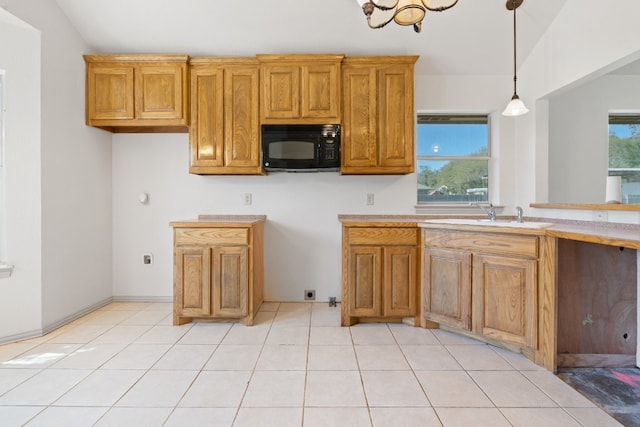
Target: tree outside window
[[624, 154], [453, 158]]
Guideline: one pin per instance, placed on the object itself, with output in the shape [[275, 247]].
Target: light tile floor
[[126, 365]]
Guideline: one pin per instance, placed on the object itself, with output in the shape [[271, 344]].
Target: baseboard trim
[[53, 326], [21, 337], [125, 298], [78, 314]]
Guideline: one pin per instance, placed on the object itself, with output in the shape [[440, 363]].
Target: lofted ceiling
[[472, 38]]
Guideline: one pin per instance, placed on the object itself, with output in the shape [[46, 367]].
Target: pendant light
[[402, 12], [516, 107]]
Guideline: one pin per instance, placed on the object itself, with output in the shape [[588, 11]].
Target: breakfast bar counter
[[579, 296]]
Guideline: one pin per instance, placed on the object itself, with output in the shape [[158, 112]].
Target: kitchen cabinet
[[224, 135], [378, 116], [379, 273], [303, 88], [447, 287], [137, 93], [483, 282], [218, 268]]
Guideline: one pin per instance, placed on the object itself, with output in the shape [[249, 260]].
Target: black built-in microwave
[[301, 148]]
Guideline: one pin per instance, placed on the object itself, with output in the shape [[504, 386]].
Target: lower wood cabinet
[[379, 273], [486, 283], [447, 287], [504, 298], [218, 270]]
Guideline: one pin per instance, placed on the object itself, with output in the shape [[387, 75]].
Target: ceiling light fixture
[[516, 107], [403, 12]]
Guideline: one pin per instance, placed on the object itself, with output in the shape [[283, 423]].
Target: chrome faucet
[[491, 211], [518, 214]]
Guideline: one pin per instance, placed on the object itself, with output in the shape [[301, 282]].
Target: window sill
[[5, 271], [452, 209]]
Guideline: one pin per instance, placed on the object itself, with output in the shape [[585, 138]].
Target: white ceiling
[[474, 37]]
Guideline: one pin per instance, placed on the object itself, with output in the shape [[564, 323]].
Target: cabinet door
[[364, 281], [159, 91], [400, 281], [505, 299], [206, 133], [447, 287], [359, 134], [320, 89], [109, 92], [192, 281], [241, 122], [224, 135], [230, 281], [281, 91], [378, 132], [396, 118]]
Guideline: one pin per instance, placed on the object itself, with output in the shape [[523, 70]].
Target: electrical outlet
[[248, 199], [147, 259], [600, 216], [369, 198], [310, 294]]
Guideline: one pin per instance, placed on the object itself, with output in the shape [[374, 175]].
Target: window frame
[[449, 117], [630, 117]]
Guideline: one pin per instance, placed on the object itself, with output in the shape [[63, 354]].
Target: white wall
[[63, 178], [302, 234], [20, 294], [584, 42], [578, 139]]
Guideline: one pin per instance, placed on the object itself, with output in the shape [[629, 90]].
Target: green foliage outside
[[625, 152], [457, 175]]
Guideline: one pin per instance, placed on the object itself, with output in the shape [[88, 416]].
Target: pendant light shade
[[409, 12], [515, 107]]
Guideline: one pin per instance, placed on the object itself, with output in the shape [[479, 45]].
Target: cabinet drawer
[[211, 236], [501, 244], [383, 236]]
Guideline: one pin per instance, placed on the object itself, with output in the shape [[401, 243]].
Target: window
[[624, 154], [453, 154]]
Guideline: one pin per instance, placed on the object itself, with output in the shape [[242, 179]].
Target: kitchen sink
[[488, 223]]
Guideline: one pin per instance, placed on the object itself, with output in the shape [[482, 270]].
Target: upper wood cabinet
[[137, 93], [378, 117], [300, 88], [224, 133]]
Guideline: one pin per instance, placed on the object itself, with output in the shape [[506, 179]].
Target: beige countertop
[[605, 233], [231, 221]]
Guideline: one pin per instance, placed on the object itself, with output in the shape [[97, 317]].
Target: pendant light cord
[[515, 76]]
